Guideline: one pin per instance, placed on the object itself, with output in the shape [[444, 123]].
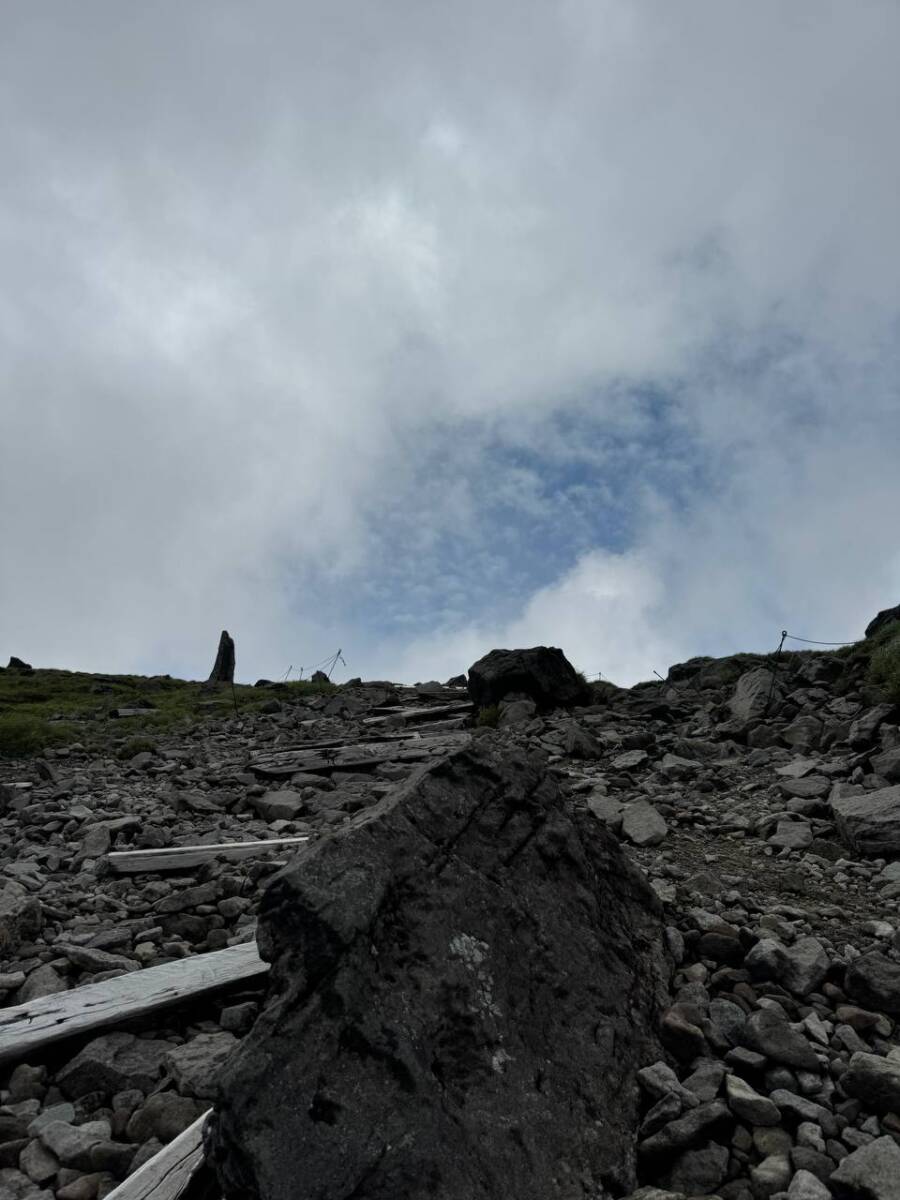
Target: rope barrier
[[811, 642]]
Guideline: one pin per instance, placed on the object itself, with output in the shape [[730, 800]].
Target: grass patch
[[488, 717], [56, 708], [22, 734], [884, 665], [136, 745]]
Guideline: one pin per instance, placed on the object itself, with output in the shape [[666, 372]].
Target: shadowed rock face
[[542, 673], [465, 981]]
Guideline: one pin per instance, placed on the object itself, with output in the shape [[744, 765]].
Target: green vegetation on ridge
[[49, 708]]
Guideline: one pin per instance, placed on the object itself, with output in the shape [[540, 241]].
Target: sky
[[418, 329]]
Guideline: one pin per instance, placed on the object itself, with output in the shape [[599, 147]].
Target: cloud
[[436, 326]]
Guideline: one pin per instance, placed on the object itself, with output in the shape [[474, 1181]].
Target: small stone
[[769, 1033], [194, 1065], [38, 1163], [72, 1143], [642, 824], [747, 1104], [805, 1186], [771, 1175], [164, 1116], [113, 1063]]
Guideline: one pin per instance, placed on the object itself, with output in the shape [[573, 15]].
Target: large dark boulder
[[887, 616], [465, 980], [542, 674]]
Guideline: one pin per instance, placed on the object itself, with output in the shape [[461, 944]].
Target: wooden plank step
[[167, 1174], [345, 758], [180, 858], [25, 1028]]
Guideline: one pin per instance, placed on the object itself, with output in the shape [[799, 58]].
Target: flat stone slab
[[870, 823]]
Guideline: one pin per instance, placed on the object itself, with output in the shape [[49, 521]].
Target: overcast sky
[[419, 328]]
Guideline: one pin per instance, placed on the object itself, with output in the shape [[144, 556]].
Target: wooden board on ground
[[428, 712], [359, 757], [26, 1028], [167, 1174], [180, 858]]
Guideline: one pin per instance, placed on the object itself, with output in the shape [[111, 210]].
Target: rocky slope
[[764, 811]]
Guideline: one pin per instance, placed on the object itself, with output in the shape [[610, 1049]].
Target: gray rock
[[870, 823], [113, 1063], [810, 787], [769, 1033], [887, 765], [630, 760], [705, 1079], [696, 1125], [281, 805], [607, 809], [72, 1144], [164, 1116], [15, 1185], [542, 674], [729, 1019], [699, 1172], [643, 825], [195, 1065], [748, 1105], [864, 728], [580, 744], [190, 897], [770, 1176], [38, 1163], [751, 695], [805, 1186], [798, 1108], [42, 981], [444, 961], [89, 959], [21, 918], [874, 1080], [659, 1080], [803, 733], [792, 835], [516, 712], [873, 980], [801, 967], [870, 1173]]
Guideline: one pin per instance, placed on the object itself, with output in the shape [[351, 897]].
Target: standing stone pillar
[[223, 668]]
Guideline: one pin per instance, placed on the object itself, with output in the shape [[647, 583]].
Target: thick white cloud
[[259, 262]]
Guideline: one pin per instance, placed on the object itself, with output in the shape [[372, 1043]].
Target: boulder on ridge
[[542, 674]]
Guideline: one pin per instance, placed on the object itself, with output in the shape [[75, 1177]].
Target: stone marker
[[223, 668]]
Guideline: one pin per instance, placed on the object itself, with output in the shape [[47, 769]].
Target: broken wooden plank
[[25, 1028], [167, 1174], [348, 758], [180, 858], [428, 712]]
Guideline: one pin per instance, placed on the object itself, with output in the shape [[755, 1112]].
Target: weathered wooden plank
[[167, 1174], [346, 758], [428, 712], [25, 1028], [180, 858]]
